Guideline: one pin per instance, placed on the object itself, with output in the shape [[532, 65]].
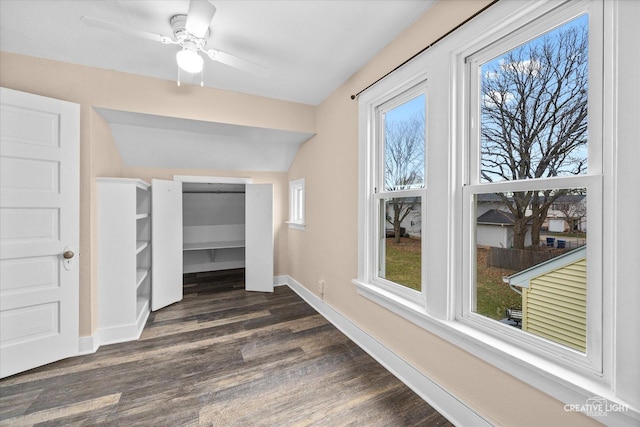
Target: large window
[[533, 184], [518, 256]]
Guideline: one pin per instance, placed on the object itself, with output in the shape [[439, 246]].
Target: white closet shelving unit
[[124, 258]]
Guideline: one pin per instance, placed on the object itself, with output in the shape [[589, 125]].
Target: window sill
[[296, 225], [544, 373]]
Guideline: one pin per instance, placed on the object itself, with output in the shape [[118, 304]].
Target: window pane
[[400, 241], [404, 139], [531, 262], [534, 107]]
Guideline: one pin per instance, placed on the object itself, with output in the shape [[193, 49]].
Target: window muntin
[[399, 193]]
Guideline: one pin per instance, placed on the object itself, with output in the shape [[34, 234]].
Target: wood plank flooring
[[220, 357]]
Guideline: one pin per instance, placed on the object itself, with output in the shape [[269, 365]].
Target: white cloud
[[490, 99], [527, 66]]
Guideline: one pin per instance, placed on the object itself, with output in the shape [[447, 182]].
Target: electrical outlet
[[321, 288]]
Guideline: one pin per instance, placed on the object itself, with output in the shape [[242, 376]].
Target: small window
[[296, 204]]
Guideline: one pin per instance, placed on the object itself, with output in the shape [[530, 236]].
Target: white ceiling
[[310, 47]]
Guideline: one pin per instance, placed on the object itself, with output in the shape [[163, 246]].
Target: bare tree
[[404, 166], [573, 208], [534, 121]]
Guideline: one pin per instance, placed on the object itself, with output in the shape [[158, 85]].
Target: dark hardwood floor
[[220, 357]]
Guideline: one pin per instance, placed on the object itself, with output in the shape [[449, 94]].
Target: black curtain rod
[[424, 49]]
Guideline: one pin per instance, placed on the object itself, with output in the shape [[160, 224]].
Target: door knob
[[68, 254]]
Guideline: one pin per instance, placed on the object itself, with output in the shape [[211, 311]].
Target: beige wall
[[328, 249], [91, 87]]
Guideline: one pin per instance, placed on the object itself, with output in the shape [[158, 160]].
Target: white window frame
[[297, 198], [373, 181], [609, 371], [591, 361]]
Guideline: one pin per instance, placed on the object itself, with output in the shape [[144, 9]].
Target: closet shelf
[[196, 246], [141, 273], [213, 266], [140, 245]]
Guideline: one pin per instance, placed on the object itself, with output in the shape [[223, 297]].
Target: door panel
[[166, 243], [259, 238], [39, 219]]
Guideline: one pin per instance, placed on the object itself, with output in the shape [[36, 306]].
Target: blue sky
[[416, 105], [580, 21]]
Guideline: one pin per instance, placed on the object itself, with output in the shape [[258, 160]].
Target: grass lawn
[[493, 296], [403, 262]]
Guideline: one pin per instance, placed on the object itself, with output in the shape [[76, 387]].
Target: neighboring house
[[412, 223], [488, 201], [495, 228], [554, 298], [568, 213]]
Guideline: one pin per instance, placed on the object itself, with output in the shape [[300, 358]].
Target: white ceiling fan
[[191, 33]]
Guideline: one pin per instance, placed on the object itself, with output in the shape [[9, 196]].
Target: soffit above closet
[[146, 140]]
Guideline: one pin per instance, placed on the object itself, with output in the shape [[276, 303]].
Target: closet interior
[[213, 230]]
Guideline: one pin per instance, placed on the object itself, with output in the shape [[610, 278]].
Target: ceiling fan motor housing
[[185, 38]]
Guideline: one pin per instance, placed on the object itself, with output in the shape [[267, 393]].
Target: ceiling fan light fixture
[[189, 61]]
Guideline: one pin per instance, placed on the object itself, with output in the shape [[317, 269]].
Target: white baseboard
[[123, 333], [280, 280], [439, 398], [88, 345], [104, 336]]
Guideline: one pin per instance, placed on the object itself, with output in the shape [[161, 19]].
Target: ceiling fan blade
[[97, 23], [199, 17], [236, 62]]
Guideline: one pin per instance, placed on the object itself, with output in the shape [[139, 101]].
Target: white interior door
[[166, 243], [259, 238], [39, 230]]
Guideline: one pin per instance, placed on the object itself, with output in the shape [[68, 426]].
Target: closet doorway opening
[[223, 227], [213, 216]]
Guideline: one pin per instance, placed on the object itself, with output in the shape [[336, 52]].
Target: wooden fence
[[519, 259]]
